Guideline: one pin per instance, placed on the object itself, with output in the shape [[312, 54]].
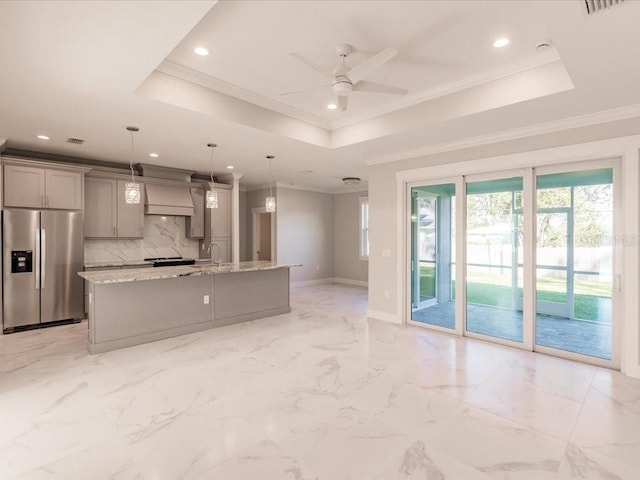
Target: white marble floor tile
[[104, 462], [528, 406], [319, 393], [264, 461], [422, 461], [608, 433], [580, 463], [499, 448], [615, 391]]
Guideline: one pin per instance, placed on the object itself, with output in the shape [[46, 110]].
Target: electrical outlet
[[206, 299]]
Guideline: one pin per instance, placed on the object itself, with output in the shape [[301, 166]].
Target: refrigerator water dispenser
[[21, 261]]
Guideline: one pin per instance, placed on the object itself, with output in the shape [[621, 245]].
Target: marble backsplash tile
[[164, 236]]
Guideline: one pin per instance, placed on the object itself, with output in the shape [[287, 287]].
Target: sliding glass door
[[536, 258], [574, 266], [494, 258], [433, 255]]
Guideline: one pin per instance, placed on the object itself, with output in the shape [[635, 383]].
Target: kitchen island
[[134, 306]]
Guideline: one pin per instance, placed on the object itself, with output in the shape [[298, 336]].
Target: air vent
[[75, 141], [594, 6]]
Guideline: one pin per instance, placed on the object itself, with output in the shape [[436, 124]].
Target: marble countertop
[[138, 274]]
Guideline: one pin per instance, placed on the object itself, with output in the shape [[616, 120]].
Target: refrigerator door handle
[[36, 262], [43, 254]]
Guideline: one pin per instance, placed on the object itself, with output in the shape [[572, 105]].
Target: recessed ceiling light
[[332, 106], [501, 42], [203, 52], [230, 167], [154, 155], [43, 137]]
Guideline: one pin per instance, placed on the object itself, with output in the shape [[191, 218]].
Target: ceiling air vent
[[75, 141], [594, 6]]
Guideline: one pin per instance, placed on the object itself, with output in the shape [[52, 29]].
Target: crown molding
[[304, 188], [586, 120], [207, 81]]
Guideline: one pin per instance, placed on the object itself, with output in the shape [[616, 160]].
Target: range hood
[[168, 200]]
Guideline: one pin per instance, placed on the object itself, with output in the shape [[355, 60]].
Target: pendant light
[[270, 202], [132, 189], [212, 195]]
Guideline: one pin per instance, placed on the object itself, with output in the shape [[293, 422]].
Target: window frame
[[363, 228]]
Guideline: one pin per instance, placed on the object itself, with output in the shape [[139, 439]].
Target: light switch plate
[[206, 299]]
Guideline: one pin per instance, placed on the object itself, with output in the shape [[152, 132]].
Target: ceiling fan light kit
[[345, 80], [351, 181]]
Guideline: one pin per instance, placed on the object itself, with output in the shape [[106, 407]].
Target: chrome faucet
[[217, 262]]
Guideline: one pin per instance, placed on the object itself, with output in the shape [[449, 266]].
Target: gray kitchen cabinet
[[221, 216], [99, 208], [106, 214], [194, 225], [63, 190], [34, 187], [217, 225]]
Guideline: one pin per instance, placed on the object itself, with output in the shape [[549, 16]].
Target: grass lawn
[[495, 290]]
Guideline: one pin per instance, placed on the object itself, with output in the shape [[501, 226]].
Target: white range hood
[[168, 200]]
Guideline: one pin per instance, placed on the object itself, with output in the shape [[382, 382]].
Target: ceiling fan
[[346, 80]]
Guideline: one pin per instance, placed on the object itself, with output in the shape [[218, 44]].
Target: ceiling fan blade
[[366, 68], [374, 87], [307, 89], [313, 65], [342, 103]]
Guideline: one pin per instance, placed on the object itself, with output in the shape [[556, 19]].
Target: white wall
[[386, 198], [347, 264], [304, 226]]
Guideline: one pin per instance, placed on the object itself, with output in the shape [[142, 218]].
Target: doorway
[[263, 238]]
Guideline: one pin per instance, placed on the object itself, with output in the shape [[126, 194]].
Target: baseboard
[[318, 281], [384, 316], [348, 281]]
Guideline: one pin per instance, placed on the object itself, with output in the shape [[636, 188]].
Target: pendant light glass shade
[[212, 199], [132, 194], [270, 201], [212, 195], [270, 204]]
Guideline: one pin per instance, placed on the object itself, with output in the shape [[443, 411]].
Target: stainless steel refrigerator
[[42, 255]]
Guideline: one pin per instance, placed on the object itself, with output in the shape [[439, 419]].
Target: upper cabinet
[[195, 225], [106, 214], [35, 187], [99, 208], [221, 216]]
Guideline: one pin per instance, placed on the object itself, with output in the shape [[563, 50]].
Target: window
[[364, 228]]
